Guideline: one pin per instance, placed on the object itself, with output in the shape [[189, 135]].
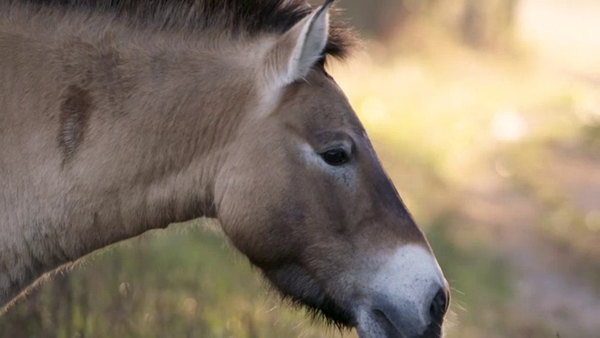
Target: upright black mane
[[235, 17]]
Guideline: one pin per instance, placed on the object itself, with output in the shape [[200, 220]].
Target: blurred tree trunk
[[479, 23], [61, 307], [376, 18], [486, 24]]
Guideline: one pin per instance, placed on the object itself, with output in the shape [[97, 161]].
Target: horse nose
[[411, 319], [439, 305], [437, 310]]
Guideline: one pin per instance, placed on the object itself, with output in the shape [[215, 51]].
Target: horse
[[118, 117]]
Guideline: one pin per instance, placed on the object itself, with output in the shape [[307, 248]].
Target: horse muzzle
[[407, 298]]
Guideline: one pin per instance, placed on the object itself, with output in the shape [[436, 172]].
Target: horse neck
[[142, 132]]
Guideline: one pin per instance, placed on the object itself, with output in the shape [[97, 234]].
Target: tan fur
[[147, 154], [108, 132]]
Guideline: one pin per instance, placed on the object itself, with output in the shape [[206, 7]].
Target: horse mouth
[[294, 284], [328, 310], [377, 324]]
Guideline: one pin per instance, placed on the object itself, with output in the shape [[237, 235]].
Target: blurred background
[[485, 113]]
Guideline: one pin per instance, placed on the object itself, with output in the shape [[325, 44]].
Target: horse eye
[[336, 157]]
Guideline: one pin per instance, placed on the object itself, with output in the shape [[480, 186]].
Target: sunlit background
[[486, 114]]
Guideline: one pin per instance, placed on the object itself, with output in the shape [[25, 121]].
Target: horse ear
[[295, 53]]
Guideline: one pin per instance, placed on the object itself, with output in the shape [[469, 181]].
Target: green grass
[[180, 283], [481, 283]]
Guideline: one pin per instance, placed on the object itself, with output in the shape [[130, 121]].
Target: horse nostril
[[439, 305]]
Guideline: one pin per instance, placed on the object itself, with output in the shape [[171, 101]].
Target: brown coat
[[117, 120]]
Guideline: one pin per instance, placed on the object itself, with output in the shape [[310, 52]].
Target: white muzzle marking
[[403, 289]]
